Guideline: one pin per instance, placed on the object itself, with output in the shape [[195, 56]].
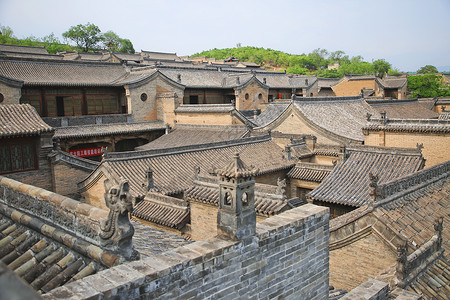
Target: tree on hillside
[[428, 69], [381, 67], [112, 42], [86, 37]]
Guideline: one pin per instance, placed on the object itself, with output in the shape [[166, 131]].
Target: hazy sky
[[407, 33]]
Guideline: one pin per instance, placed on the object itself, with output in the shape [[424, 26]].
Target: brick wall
[[66, 177], [10, 94], [357, 262], [293, 124], [272, 178], [436, 147], [147, 110], [205, 118], [353, 87], [166, 103], [203, 220], [257, 95], [95, 195], [288, 258]]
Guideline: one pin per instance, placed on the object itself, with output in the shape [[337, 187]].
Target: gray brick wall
[[288, 258]]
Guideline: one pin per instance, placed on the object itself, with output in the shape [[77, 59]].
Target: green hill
[[315, 62]]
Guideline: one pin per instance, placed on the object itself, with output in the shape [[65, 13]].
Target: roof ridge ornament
[[236, 168], [117, 232]]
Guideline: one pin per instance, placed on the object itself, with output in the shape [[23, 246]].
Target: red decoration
[[87, 152]]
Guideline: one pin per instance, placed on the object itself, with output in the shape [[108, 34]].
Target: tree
[[427, 86], [86, 37], [381, 67], [112, 42], [428, 69]]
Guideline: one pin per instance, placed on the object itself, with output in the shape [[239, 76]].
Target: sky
[[408, 34]]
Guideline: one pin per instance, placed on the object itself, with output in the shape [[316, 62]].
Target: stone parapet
[[78, 218], [287, 258], [370, 290]]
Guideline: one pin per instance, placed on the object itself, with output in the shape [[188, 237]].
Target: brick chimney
[[236, 218]]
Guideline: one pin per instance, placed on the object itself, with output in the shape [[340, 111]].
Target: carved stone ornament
[[281, 186], [402, 267], [438, 226], [373, 185], [117, 231]]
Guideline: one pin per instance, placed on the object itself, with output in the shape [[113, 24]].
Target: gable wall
[[200, 118], [294, 125], [11, 95], [95, 194], [147, 110], [355, 263], [436, 147], [253, 90], [353, 87]]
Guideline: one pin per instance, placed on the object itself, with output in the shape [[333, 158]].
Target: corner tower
[[236, 218]]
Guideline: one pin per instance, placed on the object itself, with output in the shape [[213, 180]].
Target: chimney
[[306, 82], [236, 218], [264, 80], [179, 77], [238, 81]]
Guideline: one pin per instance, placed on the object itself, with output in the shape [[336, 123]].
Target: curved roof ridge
[[117, 156]]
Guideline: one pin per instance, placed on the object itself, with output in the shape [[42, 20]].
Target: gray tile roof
[[21, 119], [409, 125], [198, 78], [19, 55], [173, 169], [286, 81], [62, 73], [71, 132], [403, 109], [37, 259], [271, 113], [310, 172], [22, 49], [128, 56], [444, 115], [411, 208], [93, 56], [205, 108], [393, 83], [345, 118], [327, 82], [187, 135], [159, 55], [267, 202], [348, 183]]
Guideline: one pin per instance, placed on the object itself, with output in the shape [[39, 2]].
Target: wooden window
[[17, 156]]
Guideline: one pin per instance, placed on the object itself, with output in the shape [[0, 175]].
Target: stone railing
[[410, 266], [384, 192], [88, 120], [81, 219]]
